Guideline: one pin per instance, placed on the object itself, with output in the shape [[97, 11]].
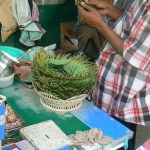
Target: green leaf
[[63, 76]]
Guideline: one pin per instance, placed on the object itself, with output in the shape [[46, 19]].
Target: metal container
[[6, 60], [3, 66], [7, 77]]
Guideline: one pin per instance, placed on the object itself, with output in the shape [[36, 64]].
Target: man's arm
[[115, 40], [105, 8], [91, 17]]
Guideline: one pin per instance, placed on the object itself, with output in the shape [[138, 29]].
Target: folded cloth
[[7, 20], [89, 138], [35, 12], [30, 4], [30, 34], [35, 16], [30, 31]]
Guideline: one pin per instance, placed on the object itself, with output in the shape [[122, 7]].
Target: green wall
[[50, 18]]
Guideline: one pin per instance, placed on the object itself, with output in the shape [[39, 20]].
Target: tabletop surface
[[96, 118], [27, 104]]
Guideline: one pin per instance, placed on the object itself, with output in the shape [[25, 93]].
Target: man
[[89, 40], [123, 85]]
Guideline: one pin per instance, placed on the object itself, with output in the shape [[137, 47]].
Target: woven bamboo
[[57, 104]]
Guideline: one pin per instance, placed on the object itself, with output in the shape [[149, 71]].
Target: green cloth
[[27, 104]]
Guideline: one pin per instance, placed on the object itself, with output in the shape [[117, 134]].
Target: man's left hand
[[89, 15]]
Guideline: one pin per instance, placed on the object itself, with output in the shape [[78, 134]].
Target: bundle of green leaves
[[63, 76], [79, 1]]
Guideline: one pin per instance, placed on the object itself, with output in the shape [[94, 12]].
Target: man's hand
[[99, 4], [105, 8], [89, 15]]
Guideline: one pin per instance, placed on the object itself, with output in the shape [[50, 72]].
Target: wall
[[51, 15]]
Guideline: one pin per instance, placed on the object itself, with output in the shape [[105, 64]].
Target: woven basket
[[57, 104]]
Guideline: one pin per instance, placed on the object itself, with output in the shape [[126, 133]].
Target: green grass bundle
[[63, 76], [79, 1]]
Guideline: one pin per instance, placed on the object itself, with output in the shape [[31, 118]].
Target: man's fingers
[[92, 2], [110, 2], [98, 4], [103, 12], [86, 6], [81, 10]]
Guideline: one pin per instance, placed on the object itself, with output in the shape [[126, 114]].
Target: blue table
[[96, 118], [26, 103]]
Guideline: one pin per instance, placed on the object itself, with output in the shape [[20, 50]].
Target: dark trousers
[[131, 126]]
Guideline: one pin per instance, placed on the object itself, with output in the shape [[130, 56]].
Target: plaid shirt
[[123, 85]]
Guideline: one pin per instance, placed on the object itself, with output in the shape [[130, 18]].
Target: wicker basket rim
[[74, 98]]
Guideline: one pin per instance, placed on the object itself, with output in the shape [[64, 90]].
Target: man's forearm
[[114, 12], [115, 40]]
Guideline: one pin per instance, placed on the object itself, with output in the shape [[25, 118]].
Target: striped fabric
[[145, 146], [123, 85]]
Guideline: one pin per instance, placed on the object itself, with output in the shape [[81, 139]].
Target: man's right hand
[[105, 8]]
